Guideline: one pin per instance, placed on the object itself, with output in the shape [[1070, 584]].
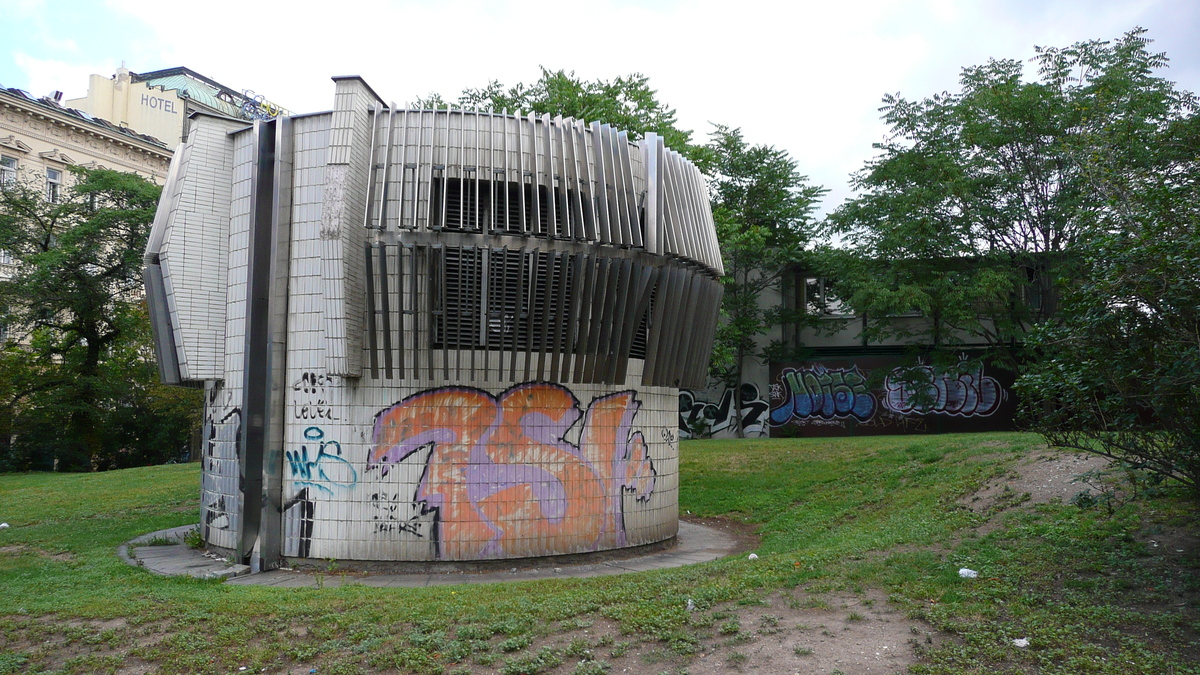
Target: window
[[8, 170], [821, 299], [53, 185]]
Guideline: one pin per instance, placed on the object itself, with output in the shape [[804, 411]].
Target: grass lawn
[[857, 517]]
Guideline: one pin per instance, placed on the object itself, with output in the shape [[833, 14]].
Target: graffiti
[[312, 397], [502, 479], [326, 470], [215, 514], [668, 435], [298, 517], [222, 450], [696, 414], [963, 391], [256, 107], [396, 513], [824, 393]]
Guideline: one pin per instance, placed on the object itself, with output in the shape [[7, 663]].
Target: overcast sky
[[803, 76]]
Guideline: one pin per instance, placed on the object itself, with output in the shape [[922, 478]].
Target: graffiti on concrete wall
[[840, 396], [501, 475], [696, 414], [311, 397], [964, 391], [825, 393], [222, 434], [318, 464]]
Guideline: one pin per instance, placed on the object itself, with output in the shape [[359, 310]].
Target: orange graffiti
[[502, 477]]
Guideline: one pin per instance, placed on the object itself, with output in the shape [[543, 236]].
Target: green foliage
[[628, 103], [979, 200], [763, 208], [78, 385], [1118, 370]]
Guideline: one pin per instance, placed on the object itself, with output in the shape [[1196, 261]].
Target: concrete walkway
[[694, 544]]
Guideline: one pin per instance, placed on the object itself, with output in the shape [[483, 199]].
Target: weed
[[620, 649], [800, 650], [575, 623], [160, 541], [737, 659], [579, 648], [516, 643], [730, 627], [545, 659], [11, 663], [655, 656], [855, 616], [591, 668]]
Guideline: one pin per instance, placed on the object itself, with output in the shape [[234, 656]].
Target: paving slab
[[164, 553]]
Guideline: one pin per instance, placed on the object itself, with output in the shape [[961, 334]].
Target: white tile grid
[[345, 200], [196, 252], [225, 398], [344, 521], [170, 201]]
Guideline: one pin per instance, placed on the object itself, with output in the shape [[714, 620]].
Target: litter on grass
[[967, 573]]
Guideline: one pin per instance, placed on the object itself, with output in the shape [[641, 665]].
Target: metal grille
[[511, 314]]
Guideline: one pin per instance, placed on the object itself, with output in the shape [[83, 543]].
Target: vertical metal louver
[[615, 255]]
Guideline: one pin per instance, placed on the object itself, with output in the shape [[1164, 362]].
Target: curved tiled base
[[694, 544]]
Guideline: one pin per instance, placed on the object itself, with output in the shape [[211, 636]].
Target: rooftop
[[212, 94], [84, 118]]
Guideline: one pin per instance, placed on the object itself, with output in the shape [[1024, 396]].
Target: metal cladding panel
[[190, 244], [522, 294]]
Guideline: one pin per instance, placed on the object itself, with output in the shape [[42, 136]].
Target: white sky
[[806, 77]]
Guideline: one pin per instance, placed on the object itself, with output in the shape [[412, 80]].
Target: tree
[[966, 214], [763, 211], [1117, 372], [628, 103], [78, 382]]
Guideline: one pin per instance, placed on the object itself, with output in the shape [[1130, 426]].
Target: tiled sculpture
[[432, 335]]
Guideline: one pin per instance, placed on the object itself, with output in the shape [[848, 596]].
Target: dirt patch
[[817, 634], [18, 549], [784, 633], [1039, 479]]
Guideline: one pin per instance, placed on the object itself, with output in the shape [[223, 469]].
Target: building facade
[[40, 138], [158, 103], [847, 383], [433, 335]]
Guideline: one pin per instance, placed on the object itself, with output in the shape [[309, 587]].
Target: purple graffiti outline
[[484, 477]]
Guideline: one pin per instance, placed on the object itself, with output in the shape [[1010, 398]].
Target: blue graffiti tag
[[326, 470], [825, 393]]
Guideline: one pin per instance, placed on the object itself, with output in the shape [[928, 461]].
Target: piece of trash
[[3, 526], [242, 668], [967, 573], [754, 556], [691, 606], [557, 570], [1021, 642]]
